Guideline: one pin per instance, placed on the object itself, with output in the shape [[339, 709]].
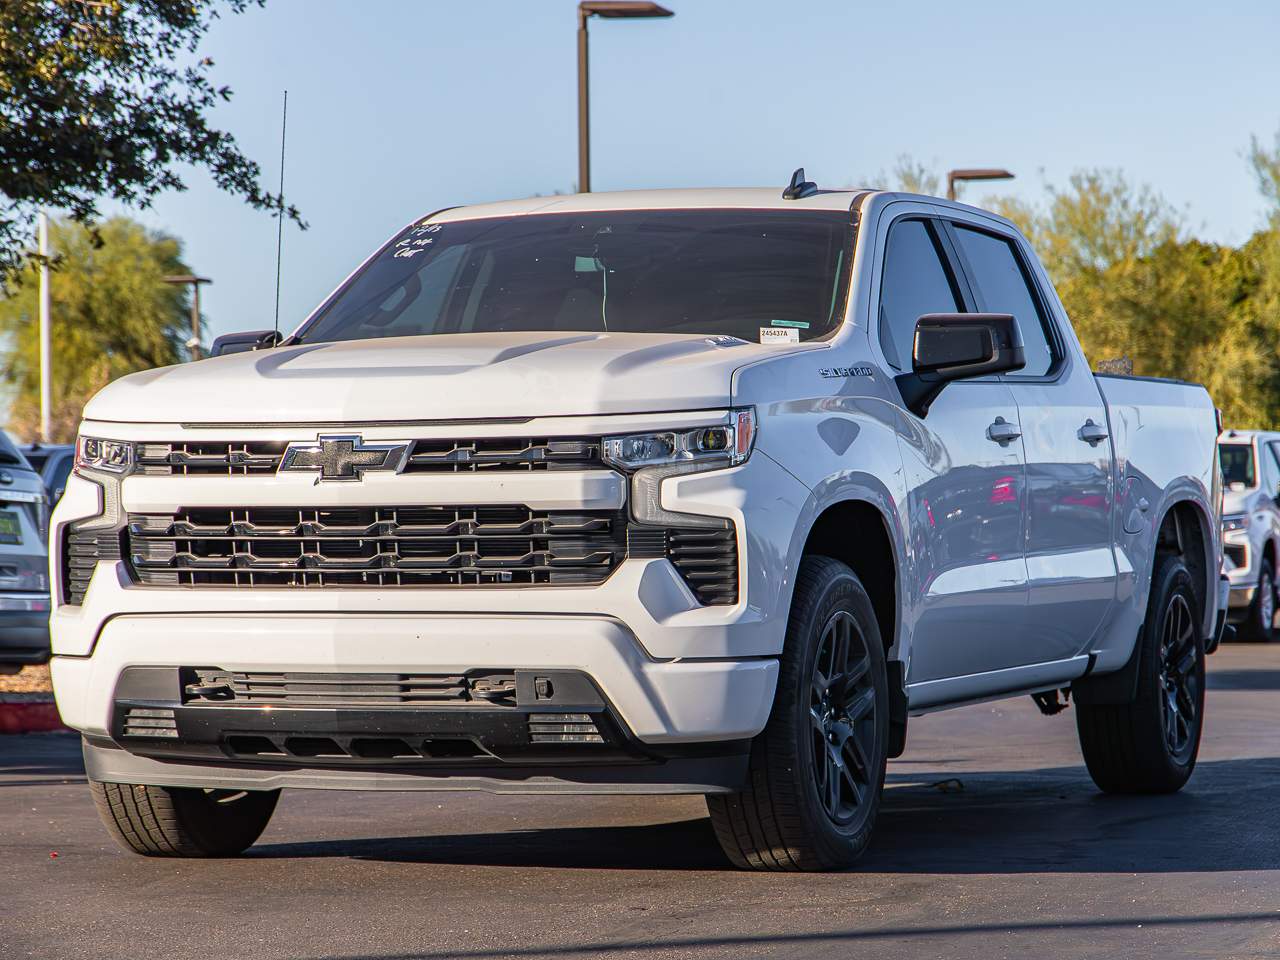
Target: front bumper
[[24, 628], [659, 701], [668, 726]]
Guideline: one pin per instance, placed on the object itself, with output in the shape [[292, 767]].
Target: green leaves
[[111, 315], [1136, 285], [95, 102]]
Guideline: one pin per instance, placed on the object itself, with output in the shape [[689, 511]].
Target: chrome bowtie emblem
[[343, 458]]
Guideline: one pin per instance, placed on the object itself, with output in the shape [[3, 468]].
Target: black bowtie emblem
[[343, 458]]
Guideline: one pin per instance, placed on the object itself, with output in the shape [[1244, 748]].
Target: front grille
[[707, 559], [150, 722], [563, 728], [375, 547], [229, 688], [220, 458], [81, 551]]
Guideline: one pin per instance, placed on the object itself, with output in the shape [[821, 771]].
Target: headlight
[[110, 456], [726, 445], [1236, 521]]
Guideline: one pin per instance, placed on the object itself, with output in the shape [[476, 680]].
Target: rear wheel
[[817, 769], [183, 821], [1257, 625], [1150, 745]]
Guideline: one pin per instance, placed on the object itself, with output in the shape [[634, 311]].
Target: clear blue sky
[[399, 107]]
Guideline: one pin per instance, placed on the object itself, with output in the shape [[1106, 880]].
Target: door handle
[[1003, 432], [1092, 433]]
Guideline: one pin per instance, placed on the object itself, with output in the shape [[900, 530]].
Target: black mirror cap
[[244, 342], [958, 346]]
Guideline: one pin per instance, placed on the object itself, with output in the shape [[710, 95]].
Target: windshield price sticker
[[779, 335]]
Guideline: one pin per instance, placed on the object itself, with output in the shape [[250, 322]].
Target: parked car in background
[[1250, 462], [53, 461], [24, 561]]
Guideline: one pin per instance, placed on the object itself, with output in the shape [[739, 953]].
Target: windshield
[[1237, 464], [10, 456], [721, 271]]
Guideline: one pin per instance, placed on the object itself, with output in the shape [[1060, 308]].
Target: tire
[[816, 771], [183, 821], [1258, 622], [1150, 745]]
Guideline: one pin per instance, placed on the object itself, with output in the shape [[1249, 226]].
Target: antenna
[[284, 120]]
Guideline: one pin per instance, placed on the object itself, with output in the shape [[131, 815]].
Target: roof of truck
[[754, 198]]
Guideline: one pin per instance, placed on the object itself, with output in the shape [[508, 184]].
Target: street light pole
[[977, 173], [610, 10], [194, 343], [46, 388]]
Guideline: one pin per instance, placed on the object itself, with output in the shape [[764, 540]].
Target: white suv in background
[[1251, 527]]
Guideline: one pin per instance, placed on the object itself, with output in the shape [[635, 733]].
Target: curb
[[30, 716]]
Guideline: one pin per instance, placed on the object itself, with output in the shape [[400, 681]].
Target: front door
[[966, 591]]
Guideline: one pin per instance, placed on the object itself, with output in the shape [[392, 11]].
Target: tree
[[908, 175], [1136, 286], [100, 98], [111, 315]]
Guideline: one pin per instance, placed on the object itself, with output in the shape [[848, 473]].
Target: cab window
[[915, 281], [1004, 286]]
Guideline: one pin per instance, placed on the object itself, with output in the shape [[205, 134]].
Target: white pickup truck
[[654, 492]]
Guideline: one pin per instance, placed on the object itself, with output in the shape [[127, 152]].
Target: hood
[[445, 377]]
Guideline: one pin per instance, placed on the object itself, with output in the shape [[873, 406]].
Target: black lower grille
[[150, 722], [81, 551], [230, 688], [707, 559], [375, 547], [1237, 554]]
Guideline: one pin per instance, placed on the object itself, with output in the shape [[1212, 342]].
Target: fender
[[866, 492], [1121, 686]]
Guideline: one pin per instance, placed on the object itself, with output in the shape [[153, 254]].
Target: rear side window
[[10, 456], [1004, 287], [915, 282]]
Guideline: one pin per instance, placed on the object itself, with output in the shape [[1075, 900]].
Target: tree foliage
[[111, 314], [100, 98], [1137, 286]]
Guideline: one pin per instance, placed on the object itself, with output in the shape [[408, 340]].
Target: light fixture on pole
[[609, 10], [46, 388], [978, 173], [194, 343]]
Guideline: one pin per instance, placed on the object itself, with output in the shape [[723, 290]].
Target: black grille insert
[[375, 547], [364, 690], [255, 458], [81, 551], [707, 559]]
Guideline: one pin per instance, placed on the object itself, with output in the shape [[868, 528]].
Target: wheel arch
[[1185, 529], [874, 554]]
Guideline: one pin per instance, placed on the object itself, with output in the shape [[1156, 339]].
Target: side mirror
[[958, 346], [244, 342]]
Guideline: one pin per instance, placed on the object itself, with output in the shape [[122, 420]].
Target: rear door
[[1071, 568], [967, 587]]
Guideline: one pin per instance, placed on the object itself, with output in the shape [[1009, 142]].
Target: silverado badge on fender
[[343, 458]]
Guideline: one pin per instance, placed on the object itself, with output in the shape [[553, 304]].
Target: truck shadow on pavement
[[1009, 822]]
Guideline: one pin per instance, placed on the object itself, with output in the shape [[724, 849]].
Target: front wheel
[[1151, 744], [1258, 622], [183, 821], [817, 770]]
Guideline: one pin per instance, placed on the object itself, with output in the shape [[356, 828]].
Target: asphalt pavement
[[992, 843]]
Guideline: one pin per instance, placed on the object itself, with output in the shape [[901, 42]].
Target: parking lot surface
[[992, 843]]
